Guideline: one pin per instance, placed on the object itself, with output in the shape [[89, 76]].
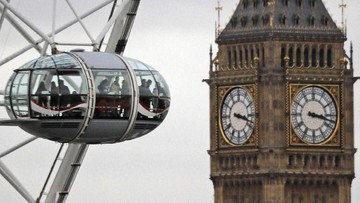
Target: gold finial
[[218, 8], [342, 6]]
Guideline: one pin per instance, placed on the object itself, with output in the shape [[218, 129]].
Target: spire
[[342, 6], [211, 58], [351, 55], [218, 8]]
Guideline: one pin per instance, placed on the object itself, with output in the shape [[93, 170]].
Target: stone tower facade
[[281, 106]]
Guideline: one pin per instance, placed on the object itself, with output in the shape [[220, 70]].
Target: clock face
[[237, 116], [313, 115]]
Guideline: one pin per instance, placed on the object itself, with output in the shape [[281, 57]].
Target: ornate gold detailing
[[251, 89], [334, 138], [314, 74]]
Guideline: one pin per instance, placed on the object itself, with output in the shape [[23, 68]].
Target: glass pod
[[87, 97]]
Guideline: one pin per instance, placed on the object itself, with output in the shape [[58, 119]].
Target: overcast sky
[[170, 164]]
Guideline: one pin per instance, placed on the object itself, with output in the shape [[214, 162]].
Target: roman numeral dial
[[237, 116], [314, 114]]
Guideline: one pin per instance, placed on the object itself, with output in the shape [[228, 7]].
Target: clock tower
[[281, 106]]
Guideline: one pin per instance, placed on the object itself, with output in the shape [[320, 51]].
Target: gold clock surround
[[222, 93], [334, 91]]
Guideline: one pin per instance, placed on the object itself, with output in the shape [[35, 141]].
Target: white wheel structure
[[118, 18]]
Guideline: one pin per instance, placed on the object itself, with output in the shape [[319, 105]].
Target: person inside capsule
[[54, 93], [112, 99], [58, 89]]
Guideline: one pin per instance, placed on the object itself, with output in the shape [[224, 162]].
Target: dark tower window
[[282, 19], [329, 58], [286, 3], [263, 56], [291, 56], [306, 57], [246, 56], [241, 57], [313, 57], [283, 54], [265, 3], [337, 161], [291, 160], [245, 4], [321, 57], [233, 22], [312, 3], [296, 20], [298, 57], [229, 58], [324, 21], [299, 3], [322, 161], [265, 20], [252, 55], [312, 21], [243, 21], [255, 3], [306, 161], [235, 58], [255, 20]]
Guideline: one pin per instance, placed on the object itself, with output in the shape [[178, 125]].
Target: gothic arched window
[[246, 56], [313, 57], [265, 3], [306, 57], [245, 3], [252, 55], [241, 57], [299, 3], [283, 54], [296, 20], [255, 20], [265, 19], [229, 58], [255, 3], [298, 57], [321, 57], [329, 58], [282, 19], [291, 56], [286, 2], [312, 21], [233, 22], [243, 21], [324, 20], [312, 3]]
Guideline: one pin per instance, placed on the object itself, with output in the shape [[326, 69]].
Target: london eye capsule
[[87, 97]]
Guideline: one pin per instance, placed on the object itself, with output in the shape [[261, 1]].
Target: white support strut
[[122, 28], [6, 173], [28, 23], [58, 30], [66, 174]]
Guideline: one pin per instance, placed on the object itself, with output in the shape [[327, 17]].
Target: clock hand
[[314, 115], [237, 115]]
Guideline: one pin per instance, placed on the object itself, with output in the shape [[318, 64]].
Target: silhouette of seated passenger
[[54, 98], [145, 93], [43, 100], [75, 98], [104, 86], [65, 92]]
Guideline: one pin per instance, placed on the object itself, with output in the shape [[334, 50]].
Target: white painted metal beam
[[6, 173]]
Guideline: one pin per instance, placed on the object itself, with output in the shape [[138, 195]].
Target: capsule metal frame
[[95, 124]]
